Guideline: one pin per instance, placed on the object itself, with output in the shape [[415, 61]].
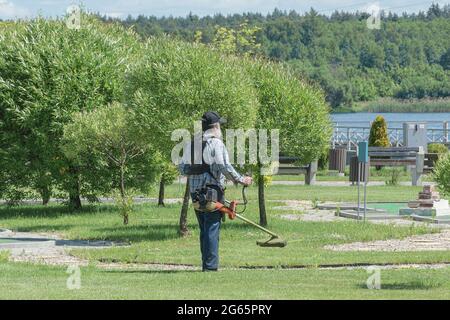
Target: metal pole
[[359, 178], [365, 196]]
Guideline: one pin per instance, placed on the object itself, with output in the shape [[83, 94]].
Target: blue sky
[[10, 9]]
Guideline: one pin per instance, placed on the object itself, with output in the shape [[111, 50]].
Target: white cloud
[[9, 10]]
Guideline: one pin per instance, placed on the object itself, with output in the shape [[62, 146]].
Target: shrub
[[176, 82], [437, 148], [394, 177], [441, 174], [47, 73], [378, 133], [111, 153]]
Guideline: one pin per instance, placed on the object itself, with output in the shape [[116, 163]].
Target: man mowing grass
[[207, 165]]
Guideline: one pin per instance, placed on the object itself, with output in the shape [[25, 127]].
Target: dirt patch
[[148, 266], [306, 212], [427, 242]]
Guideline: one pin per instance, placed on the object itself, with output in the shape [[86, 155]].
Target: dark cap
[[210, 118]]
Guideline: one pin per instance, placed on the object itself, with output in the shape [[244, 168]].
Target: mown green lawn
[[153, 238], [22, 281], [321, 193]]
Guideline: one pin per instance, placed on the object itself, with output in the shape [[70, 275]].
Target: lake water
[[364, 119]]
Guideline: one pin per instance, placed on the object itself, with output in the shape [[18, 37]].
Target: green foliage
[[437, 148], [169, 173], [111, 152], [445, 60], [47, 73], [297, 109], [4, 256], [125, 205], [324, 159], [394, 177], [441, 174], [242, 40], [397, 105], [407, 58], [378, 133], [176, 82]]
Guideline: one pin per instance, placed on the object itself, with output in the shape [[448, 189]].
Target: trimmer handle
[[233, 206], [230, 210]]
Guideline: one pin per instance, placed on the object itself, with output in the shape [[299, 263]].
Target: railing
[[349, 136]]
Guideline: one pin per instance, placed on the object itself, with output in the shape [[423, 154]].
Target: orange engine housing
[[230, 211]]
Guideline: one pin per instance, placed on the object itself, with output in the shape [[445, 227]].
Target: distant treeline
[[408, 58]]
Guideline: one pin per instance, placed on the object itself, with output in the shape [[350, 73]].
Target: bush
[[378, 133], [441, 174], [394, 177], [111, 153], [437, 148], [296, 108], [176, 82], [47, 73]]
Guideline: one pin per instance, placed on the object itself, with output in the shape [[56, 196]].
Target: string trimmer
[[230, 210]]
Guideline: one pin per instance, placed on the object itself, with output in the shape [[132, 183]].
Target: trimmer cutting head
[[274, 242]]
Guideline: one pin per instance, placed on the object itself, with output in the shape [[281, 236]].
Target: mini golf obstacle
[[374, 210], [429, 207]]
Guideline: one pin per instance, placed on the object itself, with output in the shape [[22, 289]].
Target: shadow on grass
[[51, 211], [43, 228], [152, 232], [151, 271], [411, 285]]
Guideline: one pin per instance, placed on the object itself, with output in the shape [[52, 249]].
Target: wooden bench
[[400, 156], [288, 166]]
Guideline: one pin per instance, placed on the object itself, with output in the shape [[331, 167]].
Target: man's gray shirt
[[216, 155]]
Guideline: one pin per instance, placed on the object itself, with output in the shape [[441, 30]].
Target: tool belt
[[206, 199]]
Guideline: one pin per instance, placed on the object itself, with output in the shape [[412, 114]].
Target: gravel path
[[427, 242], [45, 248], [304, 211]]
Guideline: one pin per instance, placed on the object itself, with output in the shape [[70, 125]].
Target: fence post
[[349, 145], [445, 127], [418, 170]]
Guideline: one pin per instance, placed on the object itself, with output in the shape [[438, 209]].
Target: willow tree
[[112, 154], [176, 82], [47, 73], [297, 109]]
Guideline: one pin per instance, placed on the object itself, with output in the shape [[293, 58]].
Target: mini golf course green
[[7, 241], [389, 207]]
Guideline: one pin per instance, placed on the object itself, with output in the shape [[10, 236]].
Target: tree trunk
[[184, 231], [74, 192], [123, 195], [45, 195], [161, 193], [75, 200], [261, 201]]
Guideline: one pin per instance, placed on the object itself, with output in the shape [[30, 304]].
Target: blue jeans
[[209, 223]]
